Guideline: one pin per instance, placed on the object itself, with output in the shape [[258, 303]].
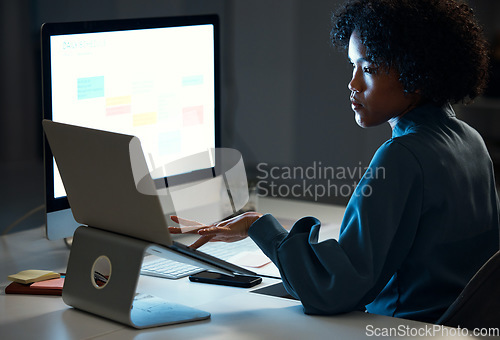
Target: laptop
[[100, 170]]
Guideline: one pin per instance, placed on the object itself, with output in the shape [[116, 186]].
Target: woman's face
[[377, 96]]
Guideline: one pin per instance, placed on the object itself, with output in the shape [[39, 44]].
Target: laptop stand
[[111, 293]]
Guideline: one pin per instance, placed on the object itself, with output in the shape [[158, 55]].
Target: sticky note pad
[[49, 284], [33, 275]]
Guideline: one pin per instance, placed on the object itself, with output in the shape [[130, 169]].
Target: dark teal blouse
[[412, 236]]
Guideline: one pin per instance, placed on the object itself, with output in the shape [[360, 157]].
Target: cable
[[19, 220], [269, 276]]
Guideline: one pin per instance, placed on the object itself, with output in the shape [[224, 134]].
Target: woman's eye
[[368, 70]]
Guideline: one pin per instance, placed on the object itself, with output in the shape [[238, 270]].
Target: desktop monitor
[[154, 78]]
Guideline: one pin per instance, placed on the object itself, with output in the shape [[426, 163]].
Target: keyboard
[[170, 269]]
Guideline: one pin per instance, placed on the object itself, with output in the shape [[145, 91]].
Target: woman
[[410, 247]]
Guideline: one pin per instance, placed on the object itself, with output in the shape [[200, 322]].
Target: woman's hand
[[231, 230]]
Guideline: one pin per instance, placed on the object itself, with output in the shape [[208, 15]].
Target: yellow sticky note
[[33, 275]]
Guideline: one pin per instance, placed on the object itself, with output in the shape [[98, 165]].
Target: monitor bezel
[[48, 30]]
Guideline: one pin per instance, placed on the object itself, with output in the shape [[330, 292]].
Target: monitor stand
[[102, 275]]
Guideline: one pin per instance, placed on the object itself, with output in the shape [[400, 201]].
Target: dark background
[[284, 88]]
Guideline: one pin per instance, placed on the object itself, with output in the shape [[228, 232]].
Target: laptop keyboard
[[170, 269]]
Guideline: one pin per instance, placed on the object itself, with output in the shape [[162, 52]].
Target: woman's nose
[[354, 85]]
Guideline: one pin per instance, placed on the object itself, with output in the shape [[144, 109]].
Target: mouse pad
[[276, 289]]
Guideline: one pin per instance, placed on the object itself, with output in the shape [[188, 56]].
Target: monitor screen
[[154, 78]]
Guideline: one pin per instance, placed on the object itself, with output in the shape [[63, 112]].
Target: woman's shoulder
[[433, 142], [396, 154]]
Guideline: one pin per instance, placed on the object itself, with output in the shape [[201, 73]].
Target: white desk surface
[[236, 313]]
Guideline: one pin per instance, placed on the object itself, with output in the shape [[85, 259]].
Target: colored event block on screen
[[146, 118], [192, 115], [121, 100], [169, 142], [118, 110], [91, 87], [118, 105], [192, 80]]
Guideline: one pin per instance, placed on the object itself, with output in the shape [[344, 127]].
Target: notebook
[[97, 169]]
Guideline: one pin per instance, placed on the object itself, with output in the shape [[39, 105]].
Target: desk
[[236, 312]]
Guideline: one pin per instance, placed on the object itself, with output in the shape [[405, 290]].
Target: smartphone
[[245, 281]]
